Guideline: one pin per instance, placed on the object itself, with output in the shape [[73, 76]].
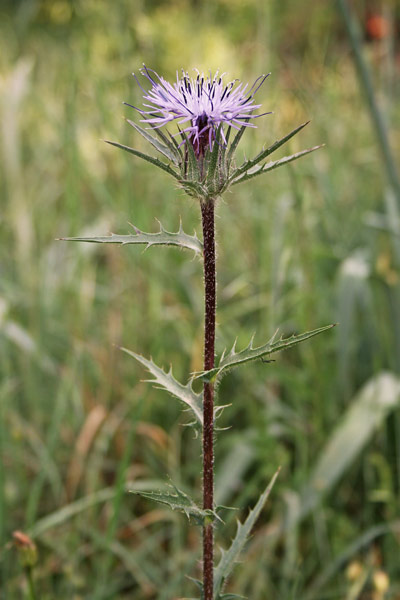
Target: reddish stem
[[207, 212]]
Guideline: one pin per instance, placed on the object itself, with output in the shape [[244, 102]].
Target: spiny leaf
[[192, 162], [149, 159], [193, 188], [162, 237], [179, 500], [234, 145], [199, 585], [226, 145], [233, 359], [224, 166], [213, 158], [196, 582], [173, 141], [167, 381], [167, 149], [168, 140], [264, 153], [230, 556], [260, 169]]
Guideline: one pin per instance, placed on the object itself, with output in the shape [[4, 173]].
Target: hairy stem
[[207, 212]]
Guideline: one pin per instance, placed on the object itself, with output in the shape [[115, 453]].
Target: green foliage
[[249, 164], [260, 169], [233, 146], [180, 501], [375, 401], [154, 161], [161, 238], [167, 381], [213, 176], [168, 149], [215, 159], [67, 512], [234, 359], [229, 557], [191, 167], [366, 413]]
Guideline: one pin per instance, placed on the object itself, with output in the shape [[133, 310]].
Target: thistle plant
[[210, 118]]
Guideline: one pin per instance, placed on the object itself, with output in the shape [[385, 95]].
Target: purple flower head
[[200, 104]]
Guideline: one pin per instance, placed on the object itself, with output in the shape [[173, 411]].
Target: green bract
[[209, 176]]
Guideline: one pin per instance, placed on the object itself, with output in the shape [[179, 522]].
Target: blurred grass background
[[311, 244]]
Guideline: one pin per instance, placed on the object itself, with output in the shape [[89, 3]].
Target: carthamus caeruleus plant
[[211, 117]]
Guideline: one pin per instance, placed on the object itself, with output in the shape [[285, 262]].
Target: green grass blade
[[230, 556], [68, 511], [105, 565], [234, 359], [168, 382], [231, 471], [350, 551], [161, 238], [368, 410]]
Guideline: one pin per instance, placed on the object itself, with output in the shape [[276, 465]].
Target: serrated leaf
[[179, 500], [150, 159], [260, 169], [161, 238], [167, 149], [264, 153], [167, 382], [233, 359], [229, 557]]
